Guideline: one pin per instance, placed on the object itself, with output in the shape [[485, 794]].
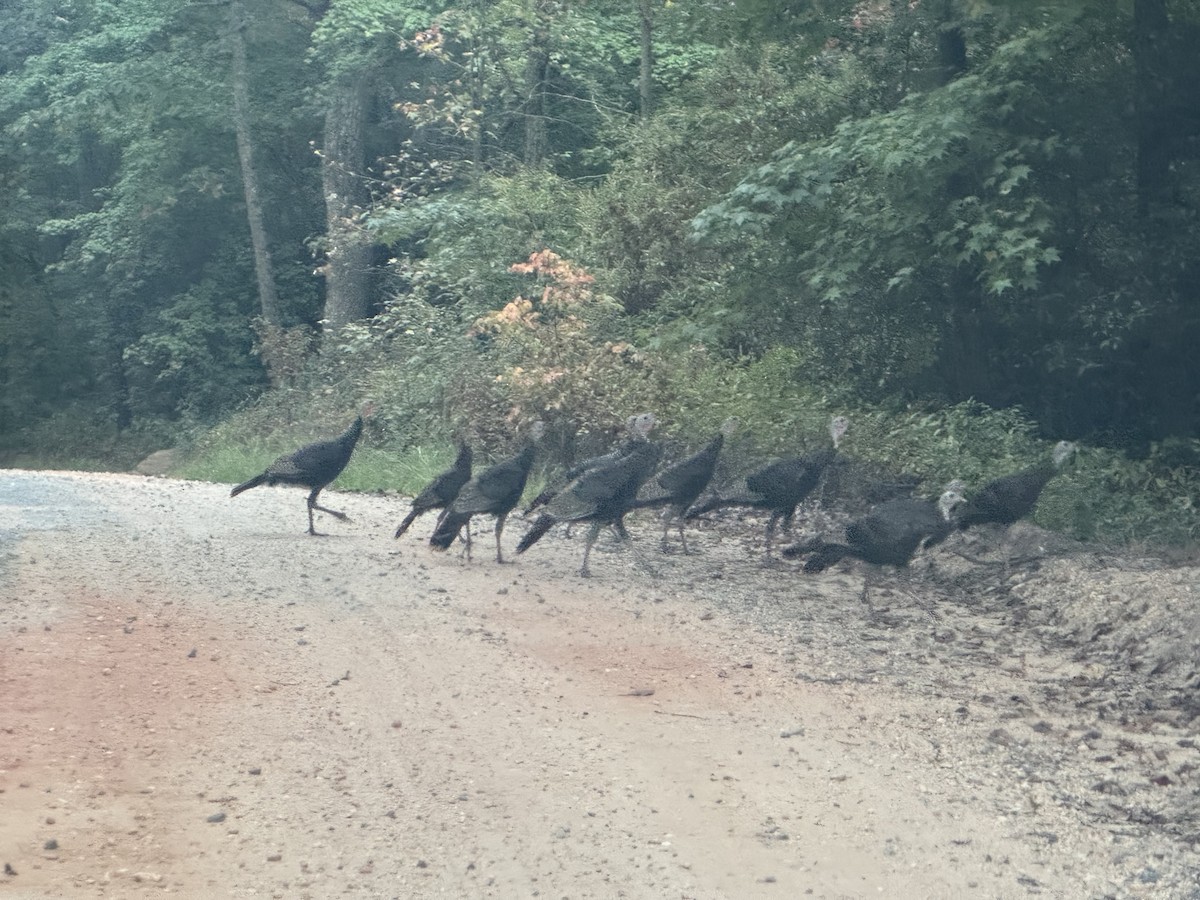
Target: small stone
[[255, 771], [192, 653], [216, 817], [274, 857], [51, 844], [1001, 737]]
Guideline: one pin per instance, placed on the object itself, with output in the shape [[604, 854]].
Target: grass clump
[[227, 460]]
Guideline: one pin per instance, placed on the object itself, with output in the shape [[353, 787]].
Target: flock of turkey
[[601, 491]]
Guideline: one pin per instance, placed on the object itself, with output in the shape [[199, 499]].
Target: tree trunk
[[537, 64], [268, 298], [646, 70], [1151, 26], [348, 250]]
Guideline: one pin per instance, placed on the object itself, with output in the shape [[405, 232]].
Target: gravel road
[[197, 699]]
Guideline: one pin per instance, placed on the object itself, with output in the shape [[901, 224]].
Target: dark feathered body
[[786, 484], [443, 490], [637, 428], [1009, 498], [494, 491], [890, 534], [681, 484], [779, 487], [1005, 500], [313, 466], [601, 495]]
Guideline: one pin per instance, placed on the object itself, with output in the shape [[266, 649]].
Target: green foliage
[[455, 248], [1151, 501], [406, 472], [1102, 495], [863, 205], [193, 359], [118, 130], [967, 441], [833, 208], [353, 37], [780, 412], [407, 360]]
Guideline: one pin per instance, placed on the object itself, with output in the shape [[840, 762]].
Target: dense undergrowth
[[559, 352], [1102, 496]]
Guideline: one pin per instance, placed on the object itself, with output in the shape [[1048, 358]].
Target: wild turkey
[[780, 487], [637, 430], [442, 491], [313, 466], [1012, 497], [601, 495], [680, 484], [495, 491], [888, 535]]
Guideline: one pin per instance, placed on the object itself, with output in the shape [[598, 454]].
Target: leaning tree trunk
[[348, 250], [268, 298]]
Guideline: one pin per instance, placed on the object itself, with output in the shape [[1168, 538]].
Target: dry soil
[[198, 699]]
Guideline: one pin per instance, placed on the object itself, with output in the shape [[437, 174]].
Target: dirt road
[[198, 699]]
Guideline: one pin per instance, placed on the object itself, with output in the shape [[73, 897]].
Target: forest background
[[970, 225]]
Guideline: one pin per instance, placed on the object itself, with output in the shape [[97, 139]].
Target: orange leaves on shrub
[[563, 369], [515, 315], [567, 283]]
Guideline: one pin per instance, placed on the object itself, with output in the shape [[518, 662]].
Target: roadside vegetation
[[970, 226]]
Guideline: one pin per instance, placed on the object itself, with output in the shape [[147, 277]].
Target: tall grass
[[370, 469]]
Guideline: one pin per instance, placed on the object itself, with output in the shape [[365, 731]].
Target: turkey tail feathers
[[447, 530], [408, 520], [252, 483], [541, 525], [825, 557]]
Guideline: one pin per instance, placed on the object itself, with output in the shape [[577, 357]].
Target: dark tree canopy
[[922, 203]]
